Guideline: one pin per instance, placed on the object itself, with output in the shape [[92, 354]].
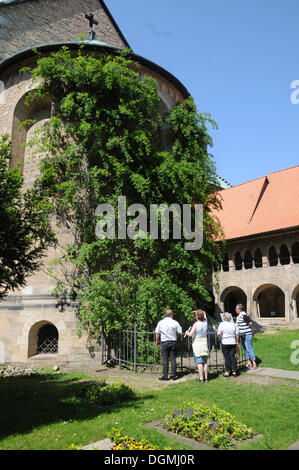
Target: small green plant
[[102, 393], [208, 424]]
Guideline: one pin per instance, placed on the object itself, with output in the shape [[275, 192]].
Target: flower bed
[[127, 443], [132, 444], [209, 425]]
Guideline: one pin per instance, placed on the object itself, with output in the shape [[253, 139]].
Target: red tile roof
[[265, 204]]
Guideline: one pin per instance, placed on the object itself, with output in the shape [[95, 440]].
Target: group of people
[[229, 334]]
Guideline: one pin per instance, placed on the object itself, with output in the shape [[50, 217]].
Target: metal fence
[[135, 349]]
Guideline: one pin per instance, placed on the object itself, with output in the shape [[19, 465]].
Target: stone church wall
[[39, 22]]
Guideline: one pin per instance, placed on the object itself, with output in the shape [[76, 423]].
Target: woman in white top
[[198, 333], [229, 343]]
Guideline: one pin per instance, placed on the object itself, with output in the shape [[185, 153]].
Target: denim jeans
[[248, 347]]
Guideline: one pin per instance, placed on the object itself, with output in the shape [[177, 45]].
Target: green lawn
[[45, 411], [274, 350]]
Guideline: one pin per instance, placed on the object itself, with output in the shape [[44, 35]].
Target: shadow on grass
[[30, 402], [212, 374]]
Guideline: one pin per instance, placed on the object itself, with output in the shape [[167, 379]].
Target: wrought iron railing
[[137, 349]]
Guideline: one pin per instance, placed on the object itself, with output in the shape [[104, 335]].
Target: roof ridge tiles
[[261, 177], [245, 182], [283, 169]]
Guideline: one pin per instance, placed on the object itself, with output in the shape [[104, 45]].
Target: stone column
[[231, 265], [255, 315], [265, 260], [250, 304], [288, 305]]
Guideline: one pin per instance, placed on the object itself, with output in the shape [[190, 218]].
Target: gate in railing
[[137, 349]]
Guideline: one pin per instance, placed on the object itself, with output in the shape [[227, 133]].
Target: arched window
[[225, 264], [238, 261], [284, 255], [295, 252], [43, 339], [273, 258], [248, 263], [258, 260]]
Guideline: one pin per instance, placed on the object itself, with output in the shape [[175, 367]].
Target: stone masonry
[[37, 22]]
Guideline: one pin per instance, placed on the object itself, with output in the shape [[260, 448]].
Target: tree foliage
[[25, 232], [105, 139]]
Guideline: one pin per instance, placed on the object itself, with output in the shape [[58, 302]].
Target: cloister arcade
[[263, 275]]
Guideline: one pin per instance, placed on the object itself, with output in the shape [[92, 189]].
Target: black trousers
[[168, 349], [229, 353]]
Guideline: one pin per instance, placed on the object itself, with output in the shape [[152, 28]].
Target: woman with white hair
[[229, 342]]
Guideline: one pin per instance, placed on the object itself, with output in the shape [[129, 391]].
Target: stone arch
[[270, 301], [43, 337], [37, 110], [295, 301], [231, 296]]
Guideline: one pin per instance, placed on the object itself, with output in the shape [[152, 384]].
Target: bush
[[102, 393]]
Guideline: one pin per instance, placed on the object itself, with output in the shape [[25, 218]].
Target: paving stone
[[281, 373], [103, 444], [294, 446]]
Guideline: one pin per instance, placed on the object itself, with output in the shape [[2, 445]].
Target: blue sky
[[238, 60]]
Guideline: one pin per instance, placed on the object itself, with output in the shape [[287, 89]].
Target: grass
[[40, 413], [45, 412], [274, 350]]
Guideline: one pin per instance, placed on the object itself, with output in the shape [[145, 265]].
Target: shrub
[[102, 393]]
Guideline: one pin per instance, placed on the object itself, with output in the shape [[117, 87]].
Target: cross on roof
[[91, 20]]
